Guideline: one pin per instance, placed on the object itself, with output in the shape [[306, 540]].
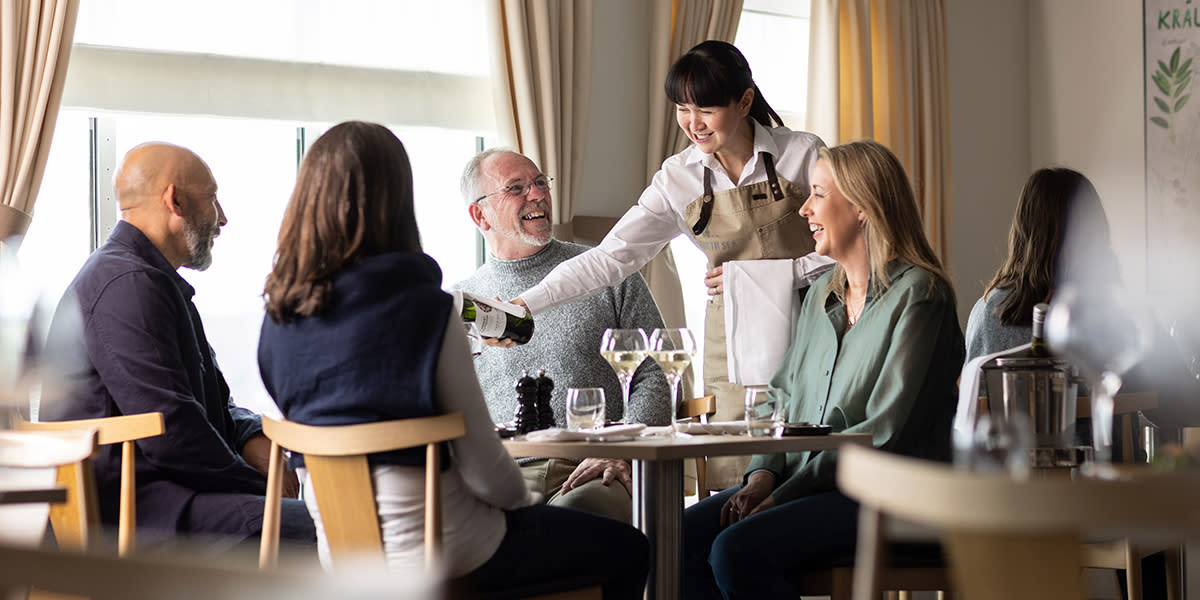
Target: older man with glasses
[[508, 198]]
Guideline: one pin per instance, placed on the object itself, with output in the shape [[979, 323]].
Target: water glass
[[995, 445], [764, 412], [585, 408]]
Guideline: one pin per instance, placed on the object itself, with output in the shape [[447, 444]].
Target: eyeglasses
[[518, 190]]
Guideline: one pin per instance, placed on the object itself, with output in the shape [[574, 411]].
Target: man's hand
[[257, 452], [607, 469], [752, 499], [714, 280]]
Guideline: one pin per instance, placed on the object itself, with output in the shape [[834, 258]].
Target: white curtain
[[35, 45], [543, 52], [878, 70]]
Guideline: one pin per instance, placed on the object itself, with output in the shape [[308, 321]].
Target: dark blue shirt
[[128, 340]]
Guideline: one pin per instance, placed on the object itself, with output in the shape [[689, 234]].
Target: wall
[[989, 135]]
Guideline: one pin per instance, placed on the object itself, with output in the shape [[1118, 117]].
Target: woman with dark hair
[[735, 192], [880, 352], [1003, 317], [358, 330]]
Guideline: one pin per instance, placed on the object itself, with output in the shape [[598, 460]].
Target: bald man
[[129, 340]]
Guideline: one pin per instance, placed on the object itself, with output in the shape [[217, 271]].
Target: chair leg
[[1133, 572], [1171, 558]]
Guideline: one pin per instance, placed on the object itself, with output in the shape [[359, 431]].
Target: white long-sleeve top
[[482, 481], [658, 217]]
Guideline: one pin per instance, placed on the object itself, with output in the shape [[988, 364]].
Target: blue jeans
[[546, 544], [751, 558]]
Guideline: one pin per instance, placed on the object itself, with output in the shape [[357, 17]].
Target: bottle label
[[491, 322]]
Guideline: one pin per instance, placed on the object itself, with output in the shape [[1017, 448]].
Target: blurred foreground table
[[658, 482]]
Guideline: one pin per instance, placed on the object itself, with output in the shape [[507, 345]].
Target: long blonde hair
[[873, 180]]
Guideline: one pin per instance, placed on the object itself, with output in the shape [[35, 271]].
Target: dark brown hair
[[353, 199], [714, 73], [1038, 236]]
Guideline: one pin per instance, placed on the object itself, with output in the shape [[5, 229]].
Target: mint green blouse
[[892, 375]]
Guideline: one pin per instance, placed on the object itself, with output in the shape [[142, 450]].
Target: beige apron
[[756, 221]]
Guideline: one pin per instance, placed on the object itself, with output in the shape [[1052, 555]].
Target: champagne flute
[[673, 350], [624, 349]]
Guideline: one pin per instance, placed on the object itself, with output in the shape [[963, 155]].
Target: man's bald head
[[149, 168]]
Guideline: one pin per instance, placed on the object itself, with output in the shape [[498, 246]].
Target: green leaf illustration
[[1172, 79]]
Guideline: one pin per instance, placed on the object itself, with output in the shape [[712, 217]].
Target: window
[[246, 94], [773, 35]]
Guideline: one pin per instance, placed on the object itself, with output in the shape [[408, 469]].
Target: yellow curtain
[[35, 45], [878, 70], [543, 54], [675, 27]]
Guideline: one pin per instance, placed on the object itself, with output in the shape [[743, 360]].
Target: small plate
[[793, 429]]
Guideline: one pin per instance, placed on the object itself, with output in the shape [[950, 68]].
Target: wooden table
[[658, 482]]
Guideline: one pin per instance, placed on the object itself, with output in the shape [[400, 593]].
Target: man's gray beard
[[199, 246]]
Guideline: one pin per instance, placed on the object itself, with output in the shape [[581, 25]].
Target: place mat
[[611, 433], [713, 428]]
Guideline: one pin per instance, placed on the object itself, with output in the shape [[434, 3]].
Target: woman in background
[[358, 330], [877, 350], [1003, 317]]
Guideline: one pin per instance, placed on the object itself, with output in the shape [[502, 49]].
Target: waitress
[[736, 192]]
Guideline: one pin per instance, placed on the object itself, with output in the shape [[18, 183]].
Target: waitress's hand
[[714, 281], [754, 498]]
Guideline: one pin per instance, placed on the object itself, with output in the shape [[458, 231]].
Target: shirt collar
[[129, 236], [763, 142]]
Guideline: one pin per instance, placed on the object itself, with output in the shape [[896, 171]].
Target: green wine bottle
[[494, 318], [1038, 347]]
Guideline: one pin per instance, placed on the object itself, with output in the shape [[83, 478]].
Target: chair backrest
[[124, 430], [70, 454], [1008, 538], [336, 460], [701, 408]]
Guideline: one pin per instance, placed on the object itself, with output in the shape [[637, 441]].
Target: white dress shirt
[[658, 217]]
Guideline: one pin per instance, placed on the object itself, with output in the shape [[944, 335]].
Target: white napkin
[[714, 428], [761, 307], [611, 433], [968, 389]]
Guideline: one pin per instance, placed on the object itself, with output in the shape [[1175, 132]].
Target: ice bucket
[[1040, 389]]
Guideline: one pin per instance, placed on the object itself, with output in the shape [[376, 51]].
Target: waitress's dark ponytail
[[714, 73]]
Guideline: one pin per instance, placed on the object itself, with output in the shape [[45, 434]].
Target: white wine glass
[[1104, 331], [624, 349], [673, 350]]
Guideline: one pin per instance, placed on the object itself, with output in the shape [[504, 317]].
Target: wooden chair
[[699, 409], [1004, 538], [39, 459], [336, 459], [70, 525]]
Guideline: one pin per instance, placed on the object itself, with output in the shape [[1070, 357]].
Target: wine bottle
[[1038, 348], [494, 318]]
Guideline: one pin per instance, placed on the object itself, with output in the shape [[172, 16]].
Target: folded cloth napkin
[[611, 433], [965, 414], [761, 307], [714, 428]]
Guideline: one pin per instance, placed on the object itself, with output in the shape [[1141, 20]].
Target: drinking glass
[[624, 349], [764, 412], [673, 350], [1104, 331], [585, 408], [995, 445]]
